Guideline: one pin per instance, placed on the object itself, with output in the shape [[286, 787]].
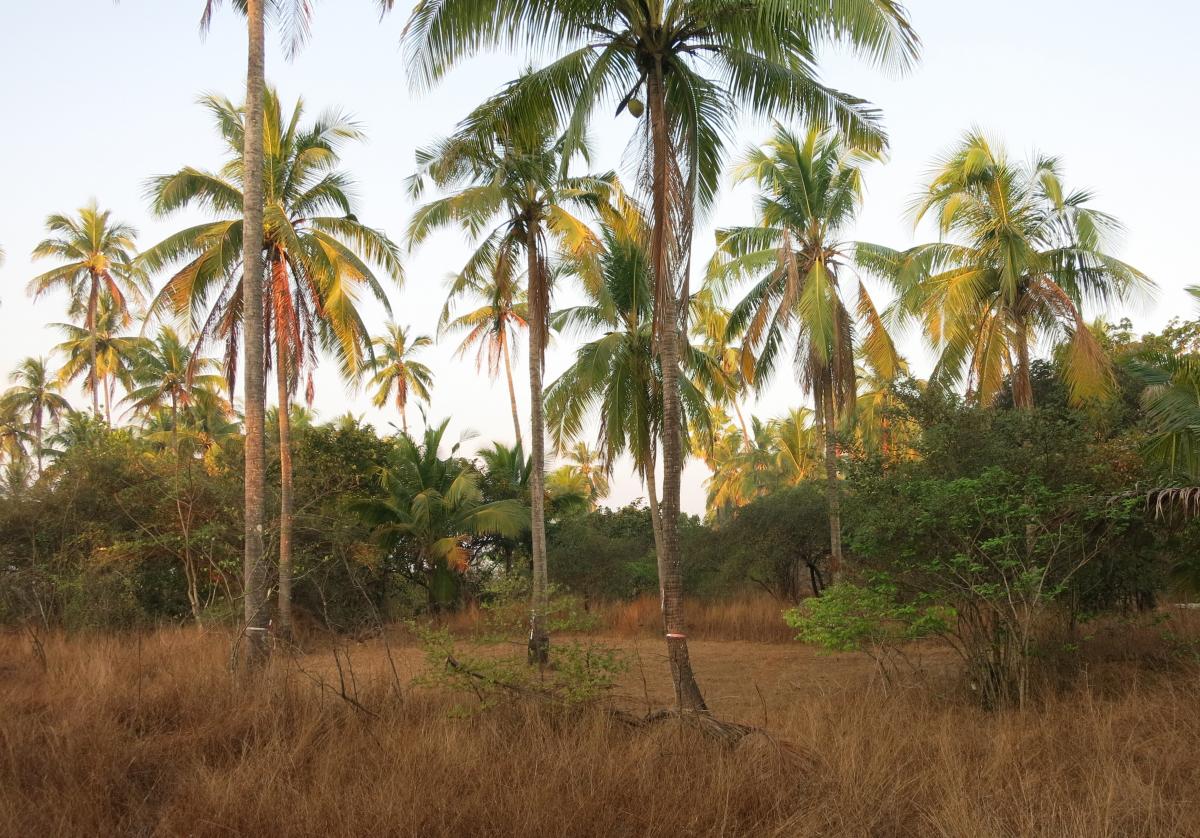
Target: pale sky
[[99, 96]]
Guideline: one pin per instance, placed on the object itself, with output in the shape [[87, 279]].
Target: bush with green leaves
[[871, 619], [578, 673], [505, 606]]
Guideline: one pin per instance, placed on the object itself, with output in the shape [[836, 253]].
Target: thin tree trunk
[[539, 640], [747, 442], [655, 519], [253, 567], [512, 394], [832, 489], [285, 482], [404, 418], [687, 691], [108, 385], [37, 438], [93, 300], [1022, 386]]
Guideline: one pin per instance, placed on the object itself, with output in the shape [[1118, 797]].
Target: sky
[[100, 96]]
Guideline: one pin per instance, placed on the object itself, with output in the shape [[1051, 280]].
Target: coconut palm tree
[[430, 510], [95, 252], [711, 326], [100, 355], [695, 62], [492, 327], [591, 465], [168, 375], [396, 371], [1018, 258], [316, 250], [505, 188], [616, 378], [14, 430], [35, 392], [810, 188], [293, 20]]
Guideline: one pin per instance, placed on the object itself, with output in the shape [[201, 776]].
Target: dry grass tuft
[[150, 735]]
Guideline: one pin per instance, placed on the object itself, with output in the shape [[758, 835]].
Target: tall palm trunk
[[253, 568], [687, 691], [833, 491], [108, 388], [1022, 386], [539, 640], [655, 517], [93, 303], [512, 393], [37, 437], [747, 440], [285, 475]]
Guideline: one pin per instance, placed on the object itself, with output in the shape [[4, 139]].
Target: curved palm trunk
[[512, 393], [93, 301], [285, 482], [747, 442], [539, 640], [687, 691], [38, 420], [253, 568], [1022, 386], [655, 518], [833, 491]]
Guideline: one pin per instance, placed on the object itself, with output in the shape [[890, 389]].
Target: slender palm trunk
[[1022, 386], [404, 417], [687, 691], [285, 482], [93, 301], [175, 426], [747, 441], [108, 388], [253, 567], [512, 392], [37, 437], [833, 491], [539, 640], [655, 518]]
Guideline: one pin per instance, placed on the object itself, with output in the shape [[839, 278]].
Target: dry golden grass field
[[150, 735]]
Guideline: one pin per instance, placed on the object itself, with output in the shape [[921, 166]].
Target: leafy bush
[[854, 618], [577, 674]]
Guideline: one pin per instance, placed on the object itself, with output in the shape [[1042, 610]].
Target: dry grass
[[151, 736], [754, 617]]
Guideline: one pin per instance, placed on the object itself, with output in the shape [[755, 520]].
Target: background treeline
[[123, 528]]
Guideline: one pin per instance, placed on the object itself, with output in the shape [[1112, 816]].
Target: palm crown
[[1019, 258], [96, 255], [316, 250], [397, 372]]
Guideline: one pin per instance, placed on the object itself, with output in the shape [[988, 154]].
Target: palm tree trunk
[[253, 568], [687, 691], [404, 418], [539, 640], [747, 441], [93, 301], [1022, 386], [833, 492], [512, 393], [285, 483], [655, 518], [37, 438], [108, 385]]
